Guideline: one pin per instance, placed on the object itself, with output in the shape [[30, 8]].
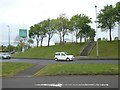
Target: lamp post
[[96, 29], [118, 27], [8, 36]]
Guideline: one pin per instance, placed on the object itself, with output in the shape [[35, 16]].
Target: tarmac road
[[81, 81], [26, 80], [45, 62]]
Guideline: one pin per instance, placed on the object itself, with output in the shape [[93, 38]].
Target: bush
[[104, 39], [99, 39], [116, 38]]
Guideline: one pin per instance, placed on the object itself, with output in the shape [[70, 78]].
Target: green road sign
[[23, 33]]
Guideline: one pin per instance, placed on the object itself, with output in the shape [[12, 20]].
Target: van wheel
[[67, 59], [56, 59]]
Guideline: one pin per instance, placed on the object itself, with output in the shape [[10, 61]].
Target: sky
[[25, 13]]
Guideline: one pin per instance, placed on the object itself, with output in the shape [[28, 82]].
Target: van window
[[58, 54], [62, 54]]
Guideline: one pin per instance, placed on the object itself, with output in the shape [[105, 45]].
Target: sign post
[[23, 34]]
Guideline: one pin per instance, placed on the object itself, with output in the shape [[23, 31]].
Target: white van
[[5, 56], [63, 56]]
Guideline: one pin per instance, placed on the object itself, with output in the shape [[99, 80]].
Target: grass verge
[[11, 68], [79, 69], [49, 52], [106, 49]]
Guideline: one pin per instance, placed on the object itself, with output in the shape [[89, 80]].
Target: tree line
[[108, 17], [78, 24]]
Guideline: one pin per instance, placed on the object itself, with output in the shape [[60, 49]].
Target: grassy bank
[[106, 49], [78, 69], [49, 52], [11, 68]]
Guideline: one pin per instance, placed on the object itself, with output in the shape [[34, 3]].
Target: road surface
[[81, 81], [26, 80], [45, 62]]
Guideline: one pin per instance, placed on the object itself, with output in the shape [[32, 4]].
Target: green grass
[[49, 52], [106, 49], [11, 68], [78, 69]]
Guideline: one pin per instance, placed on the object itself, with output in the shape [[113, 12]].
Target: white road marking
[[60, 85], [25, 76], [52, 85]]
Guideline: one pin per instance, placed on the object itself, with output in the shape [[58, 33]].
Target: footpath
[[30, 71]]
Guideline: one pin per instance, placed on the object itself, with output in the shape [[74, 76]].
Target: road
[[45, 62], [26, 80], [97, 81]]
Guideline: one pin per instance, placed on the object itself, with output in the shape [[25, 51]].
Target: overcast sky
[[24, 13]]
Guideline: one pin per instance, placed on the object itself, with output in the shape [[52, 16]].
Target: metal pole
[[96, 30], [8, 37]]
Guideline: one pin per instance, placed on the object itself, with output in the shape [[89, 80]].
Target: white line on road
[[52, 85], [60, 85]]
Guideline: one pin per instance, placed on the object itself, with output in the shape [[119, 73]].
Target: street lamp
[[96, 29], [8, 36]]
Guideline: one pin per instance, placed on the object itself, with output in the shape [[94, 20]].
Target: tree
[[20, 42], [38, 32], [79, 25], [62, 25], [42, 31], [8, 48], [65, 27], [50, 29], [58, 29], [106, 19], [117, 8], [74, 25], [87, 32], [33, 33], [84, 26], [30, 41], [91, 34]]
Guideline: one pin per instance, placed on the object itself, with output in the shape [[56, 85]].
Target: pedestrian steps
[[86, 51]]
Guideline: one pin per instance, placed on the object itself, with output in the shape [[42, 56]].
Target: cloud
[[34, 11], [18, 13]]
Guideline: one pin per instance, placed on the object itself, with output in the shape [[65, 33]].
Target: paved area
[[45, 62], [82, 81]]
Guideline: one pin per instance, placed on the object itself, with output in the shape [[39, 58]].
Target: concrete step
[[88, 49]]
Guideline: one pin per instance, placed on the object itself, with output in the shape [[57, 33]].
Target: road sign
[[23, 33]]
